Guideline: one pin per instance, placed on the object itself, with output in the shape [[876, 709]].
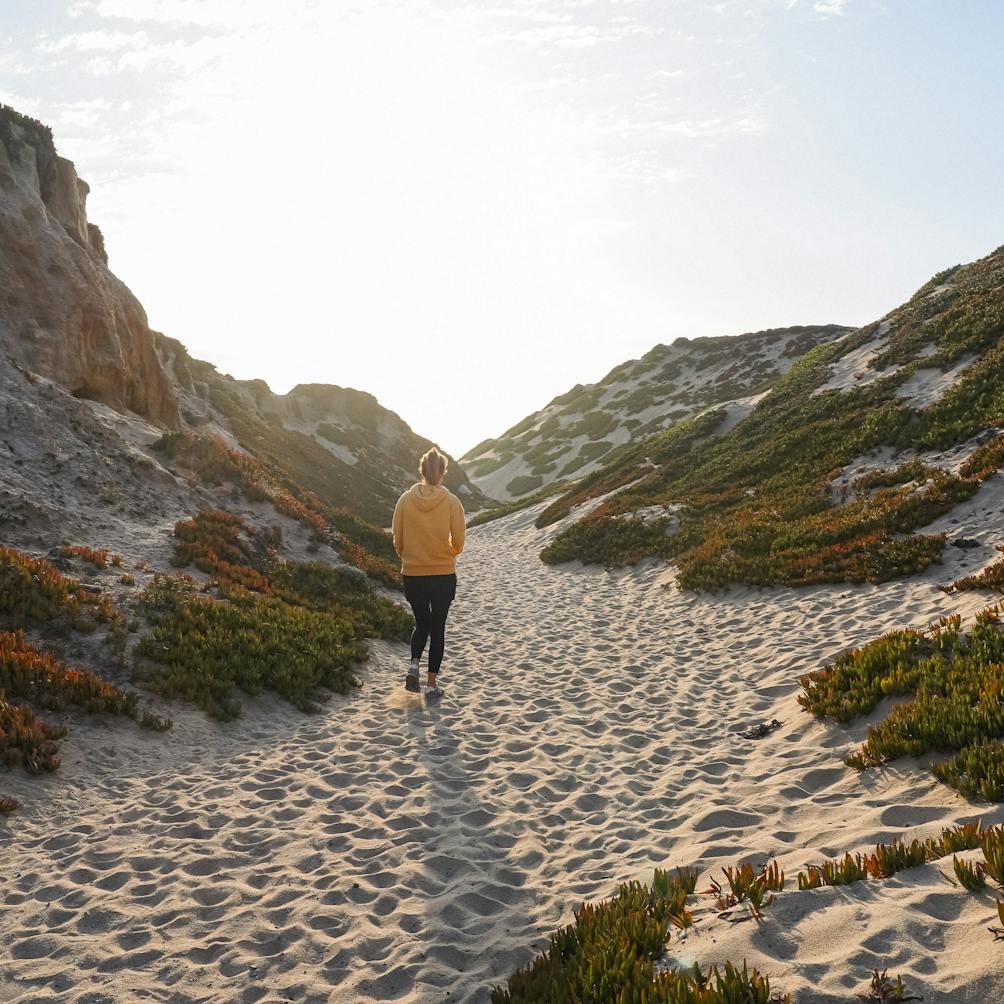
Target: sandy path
[[383, 850]]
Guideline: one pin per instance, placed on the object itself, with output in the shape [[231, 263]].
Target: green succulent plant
[[888, 859], [747, 885], [33, 592], [27, 740], [992, 843], [998, 932], [971, 876], [843, 872], [295, 628], [606, 955], [956, 701], [966, 837], [991, 577], [884, 990]]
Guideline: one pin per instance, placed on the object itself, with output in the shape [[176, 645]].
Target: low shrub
[[209, 648], [861, 677], [913, 470], [985, 460], [27, 740], [607, 955], [524, 483], [222, 545], [957, 689], [33, 675], [359, 542], [977, 771], [30, 674], [992, 577], [236, 555], [288, 627], [328, 588], [611, 542], [971, 876], [98, 557], [759, 496], [33, 592]]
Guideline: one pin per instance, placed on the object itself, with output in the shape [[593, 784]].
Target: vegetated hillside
[[866, 440], [580, 430], [89, 389], [339, 443]]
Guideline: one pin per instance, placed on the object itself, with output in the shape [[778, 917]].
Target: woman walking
[[428, 535]]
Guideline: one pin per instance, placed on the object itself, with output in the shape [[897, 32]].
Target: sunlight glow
[[465, 208]]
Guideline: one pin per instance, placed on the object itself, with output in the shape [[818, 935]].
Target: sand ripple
[[387, 851]]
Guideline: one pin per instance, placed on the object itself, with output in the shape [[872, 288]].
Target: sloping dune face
[[388, 850], [582, 429]]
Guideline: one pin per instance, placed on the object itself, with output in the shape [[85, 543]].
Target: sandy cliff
[[63, 314]]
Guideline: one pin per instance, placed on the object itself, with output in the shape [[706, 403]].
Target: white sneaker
[[433, 693]]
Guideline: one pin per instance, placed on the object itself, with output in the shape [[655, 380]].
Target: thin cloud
[[93, 41], [12, 64], [745, 123], [825, 8]]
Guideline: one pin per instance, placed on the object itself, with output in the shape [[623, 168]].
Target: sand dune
[[384, 850]]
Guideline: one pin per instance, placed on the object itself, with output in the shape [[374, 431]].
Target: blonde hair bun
[[433, 466]]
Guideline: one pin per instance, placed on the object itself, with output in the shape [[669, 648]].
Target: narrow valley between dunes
[[684, 684]]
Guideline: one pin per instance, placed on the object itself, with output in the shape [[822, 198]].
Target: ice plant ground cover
[[32, 591], [611, 950], [289, 627], [608, 953], [34, 594], [360, 543], [955, 680]]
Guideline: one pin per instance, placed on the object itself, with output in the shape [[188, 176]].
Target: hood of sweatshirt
[[425, 498]]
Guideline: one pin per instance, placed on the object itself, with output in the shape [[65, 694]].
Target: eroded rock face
[[66, 199], [62, 312], [65, 318]]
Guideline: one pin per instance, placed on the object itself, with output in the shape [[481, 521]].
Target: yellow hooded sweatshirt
[[428, 530]]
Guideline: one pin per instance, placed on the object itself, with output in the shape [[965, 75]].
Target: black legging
[[430, 597]]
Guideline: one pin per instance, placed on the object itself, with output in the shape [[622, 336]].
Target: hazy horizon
[[465, 210]]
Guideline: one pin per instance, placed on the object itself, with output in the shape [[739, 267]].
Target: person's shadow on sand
[[476, 927]]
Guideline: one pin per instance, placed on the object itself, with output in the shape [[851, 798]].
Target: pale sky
[[466, 208]]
